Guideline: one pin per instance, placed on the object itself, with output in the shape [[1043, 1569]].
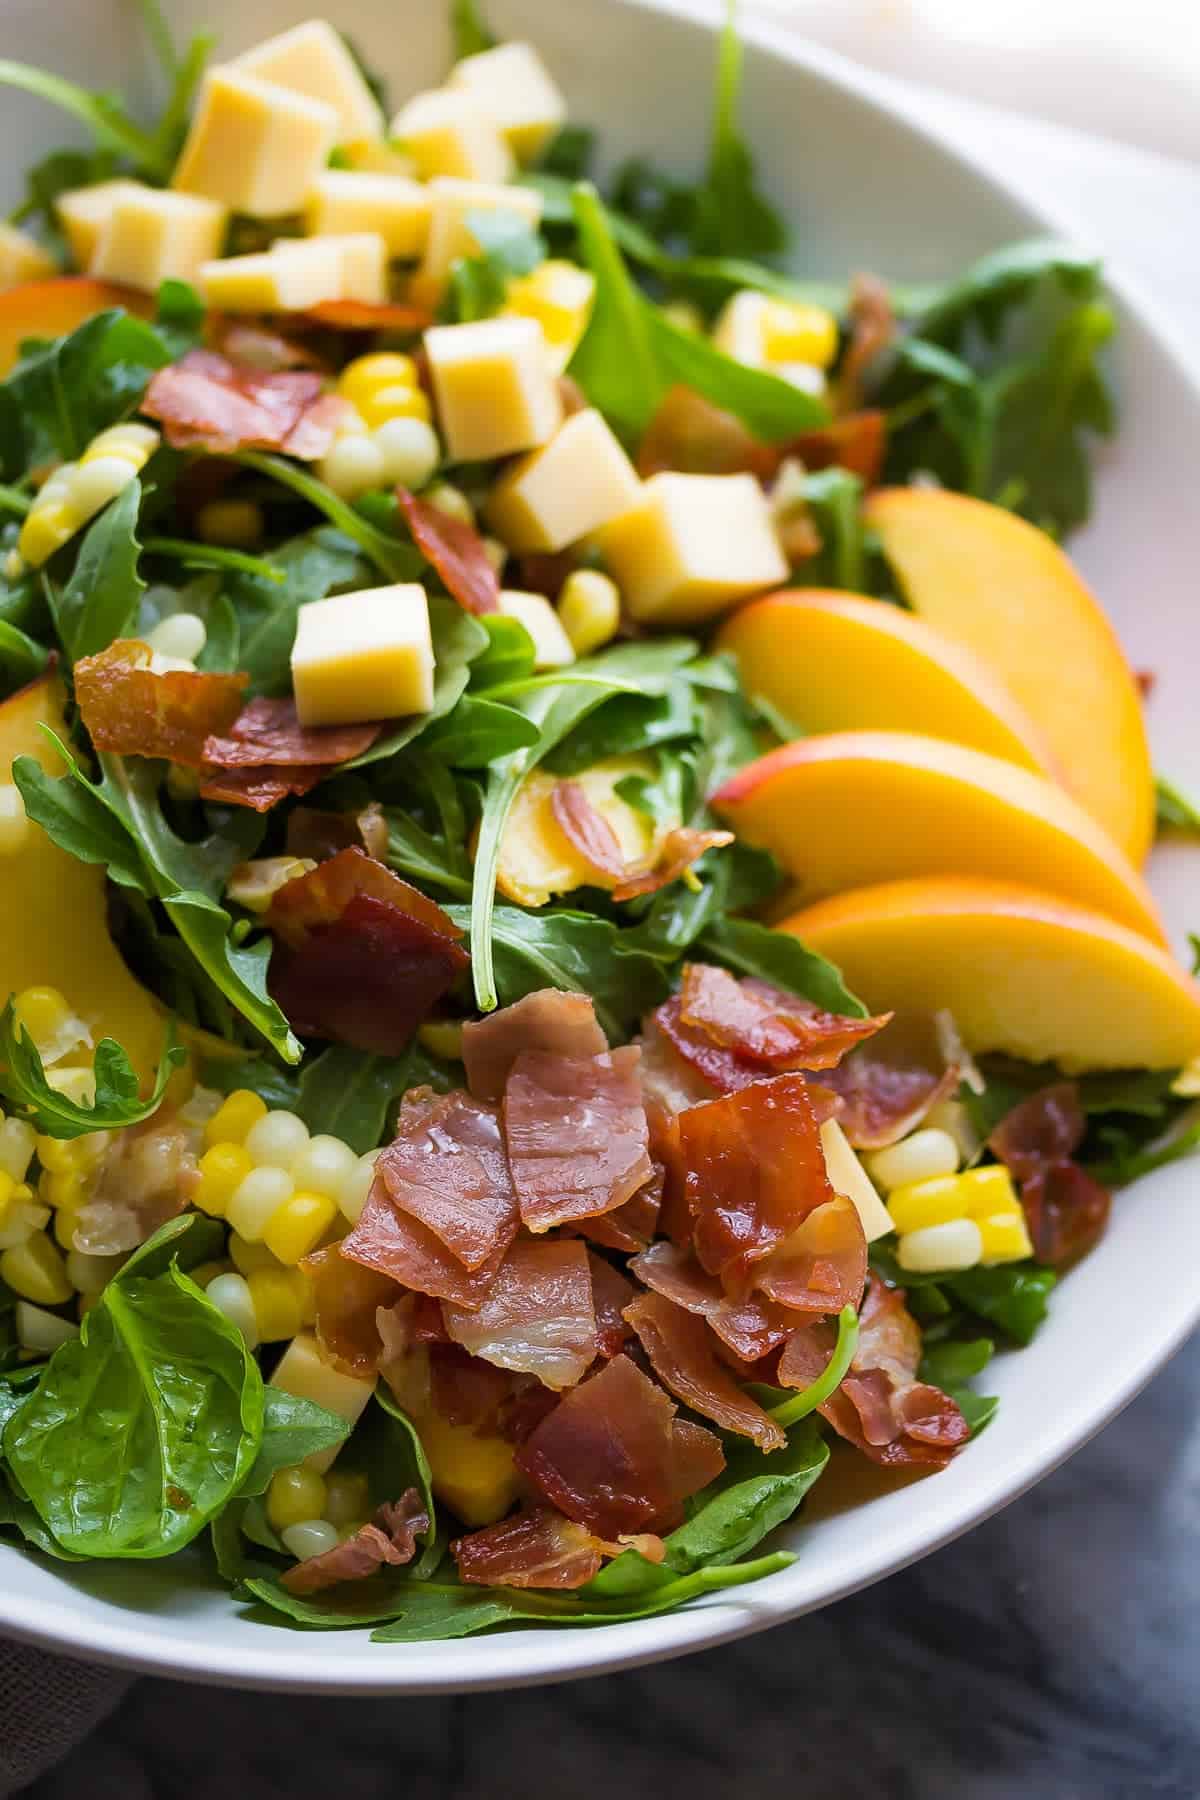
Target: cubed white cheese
[[848, 1177], [84, 212], [692, 546], [255, 147], [366, 655], [363, 258], [154, 236], [551, 645], [515, 89], [313, 59], [302, 1371], [450, 234], [574, 484], [493, 387], [398, 208], [22, 259], [446, 132], [271, 281]]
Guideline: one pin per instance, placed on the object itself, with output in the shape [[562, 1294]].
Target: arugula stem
[[109, 125], [390, 557], [187, 79], [13, 501], [809, 1398], [210, 556], [159, 32]]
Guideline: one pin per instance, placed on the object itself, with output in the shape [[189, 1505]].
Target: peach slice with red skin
[[853, 808], [50, 309], [831, 661], [1023, 973], [999, 586]]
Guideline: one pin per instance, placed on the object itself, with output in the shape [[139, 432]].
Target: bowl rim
[[290, 1662]]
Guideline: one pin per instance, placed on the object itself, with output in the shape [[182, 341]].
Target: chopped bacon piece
[[689, 434], [577, 1134], [548, 1021], [129, 709], [630, 1227], [611, 1294], [270, 732], [311, 832], [678, 851], [766, 1025], [888, 1085], [370, 315], [1045, 1129], [205, 402], [360, 956], [255, 347], [751, 1328], [456, 551], [390, 1539], [537, 1318], [872, 329], [857, 442], [612, 1455], [822, 1266], [587, 830], [395, 1244], [260, 789], [348, 1300], [1066, 1210], [681, 1353], [447, 1169], [880, 1406], [535, 1548], [755, 1169]]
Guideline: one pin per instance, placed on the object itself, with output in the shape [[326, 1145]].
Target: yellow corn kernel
[[8, 1188], [347, 1497], [559, 296], [941, 1249], [237, 523], [443, 1037], [66, 1190], [589, 609], [233, 1119], [58, 1154], [248, 1257], [222, 1168], [794, 332], [1005, 1238], [924, 1203], [35, 1271], [294, 1496], [363, 377], [205, 1272], [395, 402], [46, 529], [18, 1141], [278, 1296], [298, 1226], [65, 1221], [988, 1191]]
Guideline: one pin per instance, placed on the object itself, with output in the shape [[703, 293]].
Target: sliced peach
[[841, 662], [53, 921], [1000, 586], [49, 309], [1023, 972], [856, 807]]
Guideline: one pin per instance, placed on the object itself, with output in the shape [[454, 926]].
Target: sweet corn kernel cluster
[[76, 492], [947, 1220], [387, 439], [790, 338], [313, 1512]]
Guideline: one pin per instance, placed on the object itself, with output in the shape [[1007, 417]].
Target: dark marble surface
[[1053, 1654]]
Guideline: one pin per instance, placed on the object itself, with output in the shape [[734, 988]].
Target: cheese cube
[[493, 387], [350, 200], [366, 655], [256, 147], [154, 236], [313, 59], [551, 646], [692, 546], [363, 258], [84, 212], [559, 296], [450, 234], [303, 1371], [513, 86], [577, 482], [274, 281], [375, 156], [849, 1178], [448, 133], [22, 258]]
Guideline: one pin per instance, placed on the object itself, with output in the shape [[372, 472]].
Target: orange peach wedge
[[842, 662], [856, 807], [1023, 972], [1003, 589], [48, 309]]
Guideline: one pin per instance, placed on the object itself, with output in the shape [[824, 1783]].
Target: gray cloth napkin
[[47, 1706]]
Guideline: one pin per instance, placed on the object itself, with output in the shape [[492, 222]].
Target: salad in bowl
[[575, 939]]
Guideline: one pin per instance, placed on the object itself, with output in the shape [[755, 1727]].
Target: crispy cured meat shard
[[538, 1317], [207, 402], [577, 1135], [881, 1407], [456, 551], [389, 1541], [131, 710]]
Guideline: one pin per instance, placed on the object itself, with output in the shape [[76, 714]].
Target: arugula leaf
[[748, 948], [398, 1461], [292, 1429], [22, 658], [160, 1373], [347, 1093], [471, 35], [949, 1364], [67, 391], [833, 497], [754, 1495], [477, 732], [395, 561], [100, 601], [313, 566], [508, 246], [118, 1102], [730, 216], [508, 656], [179, 316], [109, 124], [423, 858], [1174, 810], [279, 1087], [1012, 1295]]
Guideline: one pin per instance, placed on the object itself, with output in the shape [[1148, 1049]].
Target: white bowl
[[865, 187]]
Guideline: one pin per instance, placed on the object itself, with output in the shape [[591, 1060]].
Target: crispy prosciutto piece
[[1066, 1210], [766, 1025], [269, 732], [889, 1084], [872, 329], [612, 1455], [577, 1135], [348, 1300], [456, 551], [259, 789], [465, 1390], [370, 315], [447, 1169], [537, 1317], [389, 1241], [681, 1354], [754, 1171], [390, 1540], [630, 1227], [206, 402], [880, 1406], [1045, 1129], [549, 1021], [822, 1266], [129, 709], [678, 851], [360, 956], [611, 1294], [255, 346], [538, 1548], [751, 1328], [312, 832], [806, 1354], [857, 442]]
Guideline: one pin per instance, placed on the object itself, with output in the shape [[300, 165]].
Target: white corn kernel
[[324, 1166], [410, 451], [20, 1221], [310, 1538], [38, 1329], [352, 466], [918, 1157], [352, 1196], [97, 481], [256, 1197], [231, 1296], [937, 1249], [18, 1141], [181, 634], [14, 823], [452, 501], [954, 1118], [277, 1139]]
